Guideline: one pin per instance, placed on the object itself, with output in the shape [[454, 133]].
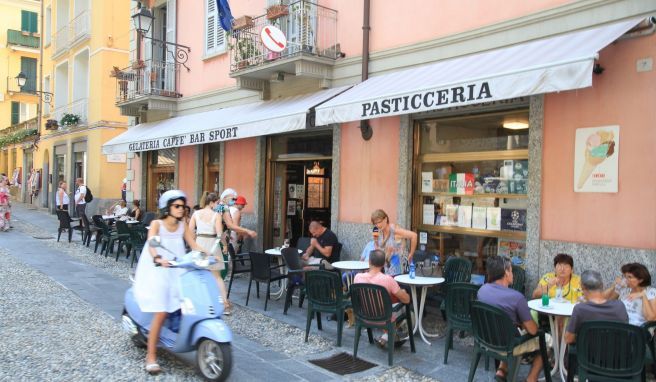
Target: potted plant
[[277, 10], [70, 119], [242, 22], [52, 124], [246, 51]]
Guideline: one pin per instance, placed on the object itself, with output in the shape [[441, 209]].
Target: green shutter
[[29, 21], [15, 112], [28, 66]]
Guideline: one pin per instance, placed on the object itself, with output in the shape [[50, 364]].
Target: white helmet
[[227, 192], [171, 195]]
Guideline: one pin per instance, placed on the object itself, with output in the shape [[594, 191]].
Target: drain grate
[[343, 363]]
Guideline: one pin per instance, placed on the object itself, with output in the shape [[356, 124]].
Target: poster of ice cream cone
[[596, 159]]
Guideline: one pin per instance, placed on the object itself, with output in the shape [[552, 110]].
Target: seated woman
[[119, 209], [563, 278], [636, 292], [136, 213]]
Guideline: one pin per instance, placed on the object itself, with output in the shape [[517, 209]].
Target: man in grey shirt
[[596, 306]]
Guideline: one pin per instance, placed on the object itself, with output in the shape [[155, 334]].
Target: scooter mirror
[[155, 242]]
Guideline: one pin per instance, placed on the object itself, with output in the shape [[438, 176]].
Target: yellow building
[[83, 41], [20, 37]]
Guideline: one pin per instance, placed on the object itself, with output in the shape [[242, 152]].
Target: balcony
[[77, 108], [311, 50], [24, 39], [79, 29], [149, 85]]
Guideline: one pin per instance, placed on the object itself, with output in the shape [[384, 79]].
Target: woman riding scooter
[[156, 286]]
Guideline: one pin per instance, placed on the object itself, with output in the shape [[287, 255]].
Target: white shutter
[[170, 20], [169, 71], [210, 26]]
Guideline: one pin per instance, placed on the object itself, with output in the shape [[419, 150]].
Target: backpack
[[88, 196]]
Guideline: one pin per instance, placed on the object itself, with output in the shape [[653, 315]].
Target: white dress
[[206, 237], [157, 289]]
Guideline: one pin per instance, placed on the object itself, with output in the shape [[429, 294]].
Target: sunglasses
[[178, 206]]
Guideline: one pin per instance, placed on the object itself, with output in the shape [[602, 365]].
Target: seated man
[[321, 245], [595, 307], [497, 292], [376, 276]]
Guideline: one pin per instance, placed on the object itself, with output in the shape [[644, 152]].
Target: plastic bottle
[[412, 270]]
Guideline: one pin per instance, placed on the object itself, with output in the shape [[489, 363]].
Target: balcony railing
[[75, 31], [149, 78], [80, 26], [60, 40], [77, 108], [310, 29], [26, 39]]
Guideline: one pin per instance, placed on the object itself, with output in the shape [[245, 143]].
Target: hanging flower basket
[[242, 22], [276, 11]]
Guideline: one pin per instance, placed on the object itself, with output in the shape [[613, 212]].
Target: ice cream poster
[[596, 159]]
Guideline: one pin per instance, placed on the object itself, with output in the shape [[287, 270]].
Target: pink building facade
[[448, 168]]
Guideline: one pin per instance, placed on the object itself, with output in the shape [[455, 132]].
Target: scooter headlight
[[200, 259], [188, 307]]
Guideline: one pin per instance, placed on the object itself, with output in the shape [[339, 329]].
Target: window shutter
[[15, 112], [33, 22], [29, 21], [210, 26], [28, 66]]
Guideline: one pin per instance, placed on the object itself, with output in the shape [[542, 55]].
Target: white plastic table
[[350, 265], [277, 253], [554, 310], [424, 283]]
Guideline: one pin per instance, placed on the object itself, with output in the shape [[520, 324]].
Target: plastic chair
[[123, 237], [458, 316], [456, 270], [138, 236], [519, 279], [148, 218], [106, 238], [495, 336], [88, 230], [262, 272], [65, 224], [294, 275], [650, 356], [608, 351], [324, 293], [372, 307], [239, 263]]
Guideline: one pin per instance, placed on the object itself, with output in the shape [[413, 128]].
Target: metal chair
[[458, 317], [495, 336], [324, 293], [65, 221], [294, 276], [372, 307], [239, 263], [608, 351], [262, 272], [303, 243]]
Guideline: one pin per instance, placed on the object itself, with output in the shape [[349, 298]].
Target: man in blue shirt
[[498, 293]]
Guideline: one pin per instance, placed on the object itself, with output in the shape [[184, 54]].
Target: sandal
[[227, 309], [153, 368], [500, 375]]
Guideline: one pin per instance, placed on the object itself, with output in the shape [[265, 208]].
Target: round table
[[424, 283], [347, 266], [277, 252], [555, 310]]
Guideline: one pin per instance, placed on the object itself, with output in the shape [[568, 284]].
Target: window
[[215, 38], [27, 111], [28, 66], [47, 33], [29, 22], [15, 112]]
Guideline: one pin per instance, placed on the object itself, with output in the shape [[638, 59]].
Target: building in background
[[84, 41], [20, 42], [461, 123]]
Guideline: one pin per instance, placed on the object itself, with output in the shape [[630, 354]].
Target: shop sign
[[461, 184], [596, 152], [273, 39], [513, 219], [196, 138], [116, 158]]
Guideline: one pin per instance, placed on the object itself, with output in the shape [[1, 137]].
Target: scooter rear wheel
[[214, 360]]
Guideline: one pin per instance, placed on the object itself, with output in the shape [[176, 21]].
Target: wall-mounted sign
[[596, 153], [273, 38], [116, 158]]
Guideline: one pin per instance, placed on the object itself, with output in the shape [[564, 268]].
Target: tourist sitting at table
[[595, 307], [636, 292], [391, 240], [119, 209], [563, 278], [320, 250], [376, 276], [497, 292], [136, 213]]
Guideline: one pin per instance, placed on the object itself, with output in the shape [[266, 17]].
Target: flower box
[[276, 11], [242, 22]]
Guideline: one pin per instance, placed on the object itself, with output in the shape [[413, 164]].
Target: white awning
[[553, 64], [243, 121]]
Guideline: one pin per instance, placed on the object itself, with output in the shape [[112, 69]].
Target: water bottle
[[412, 270]]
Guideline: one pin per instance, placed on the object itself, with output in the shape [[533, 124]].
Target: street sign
[[273, 38]]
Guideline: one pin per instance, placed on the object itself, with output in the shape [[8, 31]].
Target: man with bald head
[[321, 245]]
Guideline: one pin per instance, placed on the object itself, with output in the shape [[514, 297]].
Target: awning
[[243, 121], [553, 64]]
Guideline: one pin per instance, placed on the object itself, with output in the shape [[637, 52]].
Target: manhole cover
[[43, 237], [343, 363]]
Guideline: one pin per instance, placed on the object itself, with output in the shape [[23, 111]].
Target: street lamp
[[143, 20], [21, 80]]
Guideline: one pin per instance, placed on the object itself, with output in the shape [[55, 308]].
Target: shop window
[[212, 159], [471, 183], [161, 175]]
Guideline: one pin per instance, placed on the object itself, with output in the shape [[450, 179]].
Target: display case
[[470, 187]]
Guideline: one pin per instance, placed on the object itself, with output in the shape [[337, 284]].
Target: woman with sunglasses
[[156, 288], [391, 240]]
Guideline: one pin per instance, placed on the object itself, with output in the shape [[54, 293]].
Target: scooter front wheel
[[214, 360]]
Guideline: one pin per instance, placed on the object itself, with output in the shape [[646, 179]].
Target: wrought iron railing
[[77, 108], [26, 39], [310, 29], [149, 78]]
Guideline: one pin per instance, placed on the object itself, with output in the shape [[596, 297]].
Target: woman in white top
[[636, 292], [62, 196], [208, 226], [119, 209]]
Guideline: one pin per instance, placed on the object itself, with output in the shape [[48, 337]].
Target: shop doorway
[[299, 177], [161, 175]]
